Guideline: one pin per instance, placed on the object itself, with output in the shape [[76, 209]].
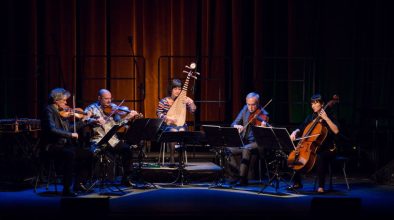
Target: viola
[[67, 112], [304, 156]]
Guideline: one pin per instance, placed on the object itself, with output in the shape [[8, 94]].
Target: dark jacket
[[242, 119], [56, 131]]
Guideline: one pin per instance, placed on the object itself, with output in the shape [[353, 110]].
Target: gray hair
[[58, 93], [253, 95]]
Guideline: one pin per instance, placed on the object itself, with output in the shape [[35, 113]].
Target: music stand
[[108, 136], [277, 139], [220, 138], [144, 129], [183, 138], [104, 161]]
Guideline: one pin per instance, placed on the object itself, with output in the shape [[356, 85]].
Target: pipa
[[178, 108]]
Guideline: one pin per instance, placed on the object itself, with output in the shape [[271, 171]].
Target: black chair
[[46, 172], [342, 161]]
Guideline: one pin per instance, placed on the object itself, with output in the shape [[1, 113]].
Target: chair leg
[[260, 178], [38, 177], [315, 183], [49, 175], [268, 171], [344, 174], [162, 153], [52, 175], [330, 175]]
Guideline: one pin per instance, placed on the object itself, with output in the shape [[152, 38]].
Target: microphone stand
[[136, 68]]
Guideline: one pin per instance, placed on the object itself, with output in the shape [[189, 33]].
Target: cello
[[303, 157]]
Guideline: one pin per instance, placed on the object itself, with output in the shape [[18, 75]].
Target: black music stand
[[220, 138], [104, 163], [144, 129], [183, 138], [277, 139], [108, 136]]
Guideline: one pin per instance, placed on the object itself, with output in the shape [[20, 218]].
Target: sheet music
[[273, 137], [223, 136]]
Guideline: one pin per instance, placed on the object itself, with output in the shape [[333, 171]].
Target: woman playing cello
[[326, 149]]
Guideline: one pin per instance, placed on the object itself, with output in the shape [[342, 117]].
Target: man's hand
[[100, 121], [132, 114], [239, 127]]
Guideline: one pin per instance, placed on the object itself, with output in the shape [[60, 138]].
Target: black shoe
[[295, 186], [126, 182], [243, 181], [79, 187], [172, 165], [69, 193], [234, 180]]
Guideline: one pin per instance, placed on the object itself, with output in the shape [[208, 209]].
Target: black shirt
[[329, 141]]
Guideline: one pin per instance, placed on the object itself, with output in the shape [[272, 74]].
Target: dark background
[[285, 50]]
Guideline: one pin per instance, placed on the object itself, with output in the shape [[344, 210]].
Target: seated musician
[[327, 150], [102, 123], [251, 115], [58, 141], [174, 89]]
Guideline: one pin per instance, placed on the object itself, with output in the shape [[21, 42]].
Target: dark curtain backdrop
[[285, 50]]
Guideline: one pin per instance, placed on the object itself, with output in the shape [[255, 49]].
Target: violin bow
[[121, 103], [75, 128], [256, 114], [261, 108], [267, 103], [313, 135]]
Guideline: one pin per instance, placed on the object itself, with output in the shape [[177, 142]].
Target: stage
[[201, 198]]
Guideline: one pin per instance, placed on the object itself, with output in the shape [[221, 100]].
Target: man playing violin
[[251, 115], [58, 140], [327, 149], [102, 123]]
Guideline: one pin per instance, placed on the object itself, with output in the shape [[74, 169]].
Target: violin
[[114, 109], [67, 112], [123, 111], [258, 117]]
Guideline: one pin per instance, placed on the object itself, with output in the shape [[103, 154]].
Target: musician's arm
[[162, 109], [50, 121], [239, 119], [294, 134], [331, 122], [300, 128], [191, 106]]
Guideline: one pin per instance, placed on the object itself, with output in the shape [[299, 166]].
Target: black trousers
[[124, 151], [245, 152], [324, 159], [71, 159]]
